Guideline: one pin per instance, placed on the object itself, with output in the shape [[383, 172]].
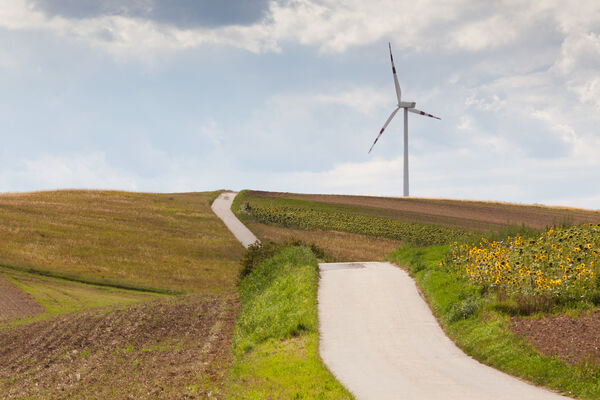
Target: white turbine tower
[[407, 106]]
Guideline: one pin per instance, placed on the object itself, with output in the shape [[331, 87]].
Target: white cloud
[[491, 32], [363, 99], [53, 172], [95, 171], [466, 123], [330, 25]]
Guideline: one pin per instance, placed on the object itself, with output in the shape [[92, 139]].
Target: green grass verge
[[276, 335], [474, 322]]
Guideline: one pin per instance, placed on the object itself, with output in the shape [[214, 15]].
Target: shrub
[[259, 252]]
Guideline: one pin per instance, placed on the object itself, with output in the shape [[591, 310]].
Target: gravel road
[[381, 341]]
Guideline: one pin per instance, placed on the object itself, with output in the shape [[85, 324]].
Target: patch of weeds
[[258, 252], [463, 309], [254, 255]]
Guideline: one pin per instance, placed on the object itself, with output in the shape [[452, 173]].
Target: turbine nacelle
[[407, 104]]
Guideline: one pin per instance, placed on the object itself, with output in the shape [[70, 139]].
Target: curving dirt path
[[381, 341], [14, 303], [222, 208]]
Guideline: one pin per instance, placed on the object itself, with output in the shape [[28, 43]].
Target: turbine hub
[[407, 104]]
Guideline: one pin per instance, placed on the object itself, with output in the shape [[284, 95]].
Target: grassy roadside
[[475, 323], [276, 335]]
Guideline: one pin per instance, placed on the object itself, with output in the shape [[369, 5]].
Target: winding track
[[222, 207], [381, 341]]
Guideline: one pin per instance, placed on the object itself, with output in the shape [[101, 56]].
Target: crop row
[[303, 218]]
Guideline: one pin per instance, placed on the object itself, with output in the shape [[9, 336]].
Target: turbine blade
[[414, 110], [396, 84], [384, 126]]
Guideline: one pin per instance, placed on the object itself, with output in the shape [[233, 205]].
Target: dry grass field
[[162, 241], [477, 215], [338, 246]]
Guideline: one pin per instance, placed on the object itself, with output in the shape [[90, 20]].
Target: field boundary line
[[70, 278]]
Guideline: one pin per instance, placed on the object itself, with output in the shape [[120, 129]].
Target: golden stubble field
[[163, 241]]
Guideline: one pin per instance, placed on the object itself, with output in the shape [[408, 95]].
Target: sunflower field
[[352, 222], [557, 263]]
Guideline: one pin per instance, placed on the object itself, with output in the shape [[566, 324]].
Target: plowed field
[[14, 303], [572, 339], [167, 349]]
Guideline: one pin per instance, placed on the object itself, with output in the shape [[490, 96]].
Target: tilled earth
[[169, 348], [14, 303], [572, 339]]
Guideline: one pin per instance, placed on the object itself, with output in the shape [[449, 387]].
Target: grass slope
[[481, 328], [135, 240], [276, 334]]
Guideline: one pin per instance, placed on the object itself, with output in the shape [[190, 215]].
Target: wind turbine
[[407, 106]]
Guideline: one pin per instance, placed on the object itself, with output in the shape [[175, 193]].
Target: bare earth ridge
[[14, 303]]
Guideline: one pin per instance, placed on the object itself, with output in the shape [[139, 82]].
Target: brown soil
[[469, 214], [14, 303], [170, 349], [572, 339]]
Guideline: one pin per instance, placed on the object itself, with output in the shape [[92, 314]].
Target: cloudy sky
[[288, 95]]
